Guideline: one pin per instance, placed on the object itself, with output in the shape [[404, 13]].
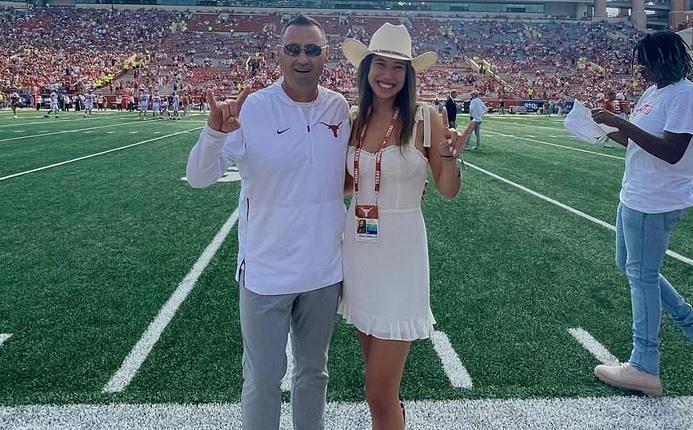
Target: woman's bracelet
[[462, 166]]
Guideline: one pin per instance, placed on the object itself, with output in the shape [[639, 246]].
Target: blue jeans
[[641, 243]]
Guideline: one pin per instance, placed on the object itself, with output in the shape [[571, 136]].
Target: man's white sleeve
[[212, 155]]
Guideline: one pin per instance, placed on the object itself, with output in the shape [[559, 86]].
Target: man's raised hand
[[223, 116]]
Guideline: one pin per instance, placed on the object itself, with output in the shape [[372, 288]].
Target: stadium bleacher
[[499, 57]]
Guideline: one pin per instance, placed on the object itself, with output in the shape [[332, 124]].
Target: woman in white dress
[[386, 282]]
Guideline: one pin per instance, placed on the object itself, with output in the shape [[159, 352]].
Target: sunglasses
[[294, 50]]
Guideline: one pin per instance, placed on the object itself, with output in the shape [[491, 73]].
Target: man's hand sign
[[223, 116]]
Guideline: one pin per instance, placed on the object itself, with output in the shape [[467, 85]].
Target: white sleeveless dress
[[386, 283]]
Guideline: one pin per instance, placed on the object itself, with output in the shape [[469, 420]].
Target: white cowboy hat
[[392, 41]]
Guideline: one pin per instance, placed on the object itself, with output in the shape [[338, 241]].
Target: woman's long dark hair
[[405, 101], [664, 54]]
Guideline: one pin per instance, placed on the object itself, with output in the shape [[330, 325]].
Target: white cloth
[[290, 157], [651, 185], [386, 284], [579, 122], [477, 109]]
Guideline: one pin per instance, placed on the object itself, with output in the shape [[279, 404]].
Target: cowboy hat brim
[[355, 52]]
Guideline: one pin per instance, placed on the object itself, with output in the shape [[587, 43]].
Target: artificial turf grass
[[110, 246], [475, 242], [587, 182], [26, 154], [497, 374]]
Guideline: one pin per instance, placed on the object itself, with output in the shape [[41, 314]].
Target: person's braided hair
[[665, 56]]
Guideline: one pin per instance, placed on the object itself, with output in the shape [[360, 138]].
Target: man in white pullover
[[289, 142], [477, 109]]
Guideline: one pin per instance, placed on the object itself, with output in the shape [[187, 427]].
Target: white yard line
[[455, 371], [288, 376], [38, 169], [555, 144], [4, 337], [672, 254], [680, 257], [45, 122], [121, 379], [77, 130], [508, 123], [613, 413], [593, 346]]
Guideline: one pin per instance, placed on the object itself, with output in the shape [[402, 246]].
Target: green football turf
[[92, 249]]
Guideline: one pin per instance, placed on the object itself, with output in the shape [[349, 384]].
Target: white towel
[[580, 123]]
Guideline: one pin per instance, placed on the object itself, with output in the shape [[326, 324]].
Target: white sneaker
[[628, 377]]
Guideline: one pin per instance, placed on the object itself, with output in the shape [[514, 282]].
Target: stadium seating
[[75, 48]]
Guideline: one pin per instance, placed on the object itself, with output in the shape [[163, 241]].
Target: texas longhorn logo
[[334, 128]]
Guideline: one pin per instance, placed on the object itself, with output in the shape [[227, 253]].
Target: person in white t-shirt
[[289, 142], [657, 188]]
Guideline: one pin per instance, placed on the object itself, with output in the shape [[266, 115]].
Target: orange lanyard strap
[[378, 156]]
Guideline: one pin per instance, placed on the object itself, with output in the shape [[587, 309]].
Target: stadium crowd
[[119, 51]]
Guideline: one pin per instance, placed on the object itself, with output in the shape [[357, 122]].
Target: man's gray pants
[[477, 129], [265, 323]]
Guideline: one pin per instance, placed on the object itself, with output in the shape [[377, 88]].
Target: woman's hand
[[451, 145], [603, 116]]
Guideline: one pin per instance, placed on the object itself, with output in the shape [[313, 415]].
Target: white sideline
[[76, 130], [120, 380], [672, 254], [455, 371], [511, 123], [4, 337], [287, 379], [593, 346], [613, 413], [46, 122], [555, 144], [14, 175]]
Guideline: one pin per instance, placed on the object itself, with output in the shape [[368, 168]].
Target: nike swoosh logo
[[282, 131]]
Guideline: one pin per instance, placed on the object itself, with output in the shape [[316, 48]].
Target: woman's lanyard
[[378, 156]]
